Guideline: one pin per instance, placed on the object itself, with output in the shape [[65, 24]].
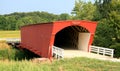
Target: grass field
[[74, 64], [9, 34]]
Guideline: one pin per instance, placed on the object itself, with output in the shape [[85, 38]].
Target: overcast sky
[[51, 6]]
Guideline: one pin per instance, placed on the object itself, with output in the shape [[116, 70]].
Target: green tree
[[84, 10], [15, 20], [108, 31], [114, 19], [104, 34], [2, 22], [64, 16], [109, 10], [103, 6]]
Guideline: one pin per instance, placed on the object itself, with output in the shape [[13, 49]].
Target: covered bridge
[[73, 34]]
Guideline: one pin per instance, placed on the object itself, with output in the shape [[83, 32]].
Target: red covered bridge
[[74, 34]]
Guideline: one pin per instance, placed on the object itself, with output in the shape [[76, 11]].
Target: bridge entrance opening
[[72, 38]]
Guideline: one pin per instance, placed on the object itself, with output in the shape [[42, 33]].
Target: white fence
[[101, 50], [57, 52], [10, 40]]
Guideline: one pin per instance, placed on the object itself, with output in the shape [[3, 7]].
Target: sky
[[51, 6]]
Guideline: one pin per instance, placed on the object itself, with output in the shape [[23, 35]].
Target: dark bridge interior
[[68, 37]]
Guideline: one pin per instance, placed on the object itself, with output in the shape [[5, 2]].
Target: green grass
[[9, 34], [74, 64]]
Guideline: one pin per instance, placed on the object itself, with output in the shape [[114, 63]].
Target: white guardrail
[[102, 50], [10, 39], [57, 52]]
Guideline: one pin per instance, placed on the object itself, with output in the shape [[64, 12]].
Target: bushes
[[4, 54], [116, 48], [10, 53], [15, 54], [3, 44]]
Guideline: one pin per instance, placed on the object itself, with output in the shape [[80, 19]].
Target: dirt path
[[78, 53]]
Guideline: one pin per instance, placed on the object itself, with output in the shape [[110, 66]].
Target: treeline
[[15, 20], [105, 12]]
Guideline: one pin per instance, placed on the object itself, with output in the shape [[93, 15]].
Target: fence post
[[98, 50], [104, 51], [112, 53]]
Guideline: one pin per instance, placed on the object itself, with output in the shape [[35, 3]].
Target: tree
[[103, 6], [104, 34], [109, 9], [84, 10], [114, 18], [2, 22], [15, 20], [64, 16]]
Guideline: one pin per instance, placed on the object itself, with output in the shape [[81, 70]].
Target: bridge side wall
[[36, 38]]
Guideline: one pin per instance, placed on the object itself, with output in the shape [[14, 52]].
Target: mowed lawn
[[9, 34], [74, 64]]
